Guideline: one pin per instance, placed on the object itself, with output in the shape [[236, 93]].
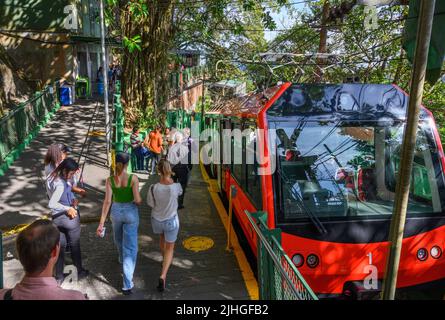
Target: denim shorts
[[169, 228]]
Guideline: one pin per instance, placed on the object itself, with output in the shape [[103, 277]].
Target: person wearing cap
[[54, 156], [76, 177], [122, 195], [65, 215]]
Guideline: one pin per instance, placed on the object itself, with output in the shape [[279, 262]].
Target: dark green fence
[[181, 119], [190, 76], [118, 120], [1, 260], [278, 278], [22, 124]]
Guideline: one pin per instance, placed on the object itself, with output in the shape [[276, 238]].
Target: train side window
[[423, 187], [237, 146], [253, 178]]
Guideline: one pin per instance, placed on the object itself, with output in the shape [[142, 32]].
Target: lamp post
[[105, 76]]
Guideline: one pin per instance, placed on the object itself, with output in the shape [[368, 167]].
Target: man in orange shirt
[[155, 146]]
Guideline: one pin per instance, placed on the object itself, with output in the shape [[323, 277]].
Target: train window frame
[[238, 175], [282, 220], [255, 198], [438, 170]]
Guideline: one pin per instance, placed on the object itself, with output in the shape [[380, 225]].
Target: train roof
[[247, 106], [368, 102]]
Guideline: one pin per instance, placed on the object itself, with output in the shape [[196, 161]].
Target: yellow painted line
[[246, 271], [17, 228], [97, 133], [198, 243]]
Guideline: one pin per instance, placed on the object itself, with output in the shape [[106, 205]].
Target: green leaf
[[133, 43]]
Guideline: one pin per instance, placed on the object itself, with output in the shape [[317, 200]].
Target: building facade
[[52, 39]]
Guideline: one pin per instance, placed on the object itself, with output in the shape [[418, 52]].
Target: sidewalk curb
[[246, 272]]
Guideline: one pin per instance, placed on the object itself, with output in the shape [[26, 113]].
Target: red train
[[331, 191]]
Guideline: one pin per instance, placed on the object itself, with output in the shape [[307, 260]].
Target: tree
[[151, 29]]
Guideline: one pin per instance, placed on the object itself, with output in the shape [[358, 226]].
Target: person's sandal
[[161, 285]]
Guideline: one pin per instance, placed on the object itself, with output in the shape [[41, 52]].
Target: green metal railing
[[1, 260], [189, 77], [22, 124], [181, 119], [278, 278], [118, 119]]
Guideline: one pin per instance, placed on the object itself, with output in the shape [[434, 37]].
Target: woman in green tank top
[[122, 195]]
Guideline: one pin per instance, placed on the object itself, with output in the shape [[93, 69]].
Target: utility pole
[[203, 98], [105, 75], [409, 143], [323, 40]]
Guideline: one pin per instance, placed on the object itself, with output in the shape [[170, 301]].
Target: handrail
[[37, 95], [278, 263], [272, 254]]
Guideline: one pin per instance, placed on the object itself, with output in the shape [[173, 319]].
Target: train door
[[225, 167], [218, 166]]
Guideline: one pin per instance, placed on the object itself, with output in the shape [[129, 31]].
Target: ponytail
[[164, 168], [119, 168], [122, 158]]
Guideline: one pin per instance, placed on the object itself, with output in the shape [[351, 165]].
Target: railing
[[190, 76], [21, 125], [278, 278], [180, 118], [1, 260], [118, 120]]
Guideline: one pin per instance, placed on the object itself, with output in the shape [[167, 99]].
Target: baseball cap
[[122, 157], [64, 148]]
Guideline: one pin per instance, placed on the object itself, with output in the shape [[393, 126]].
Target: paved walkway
[[22, 194], [210, 274]]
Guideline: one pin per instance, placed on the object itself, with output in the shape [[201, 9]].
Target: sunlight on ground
[[180, 263]]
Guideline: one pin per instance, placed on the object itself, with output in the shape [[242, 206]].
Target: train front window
[[328, 169]]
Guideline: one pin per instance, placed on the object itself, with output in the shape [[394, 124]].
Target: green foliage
[[147, 119], [133, 43], [138, 9]]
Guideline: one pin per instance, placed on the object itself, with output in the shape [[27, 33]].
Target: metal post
[[409, 144], [203, 100], [105, 75], [232, 194]]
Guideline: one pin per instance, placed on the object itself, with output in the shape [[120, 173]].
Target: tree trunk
[[146, 70]]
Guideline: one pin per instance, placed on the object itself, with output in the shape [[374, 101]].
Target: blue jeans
[[125, 219], [141, 154]]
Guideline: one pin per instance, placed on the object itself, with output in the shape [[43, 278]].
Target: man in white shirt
[[178, 158]]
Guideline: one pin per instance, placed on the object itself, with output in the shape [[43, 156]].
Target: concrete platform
[[209, 274]]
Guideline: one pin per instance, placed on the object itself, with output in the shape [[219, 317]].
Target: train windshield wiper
[[317, 223]]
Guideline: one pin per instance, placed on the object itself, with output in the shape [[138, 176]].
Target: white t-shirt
[[165, 203]]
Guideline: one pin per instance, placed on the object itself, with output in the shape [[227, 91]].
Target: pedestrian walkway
[[208, 274], [212, 273], [22, 193]]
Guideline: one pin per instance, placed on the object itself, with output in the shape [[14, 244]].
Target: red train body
[[332, 189]]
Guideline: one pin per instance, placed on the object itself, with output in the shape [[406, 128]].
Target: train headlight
[[312, 261], [436, 252], [298, 260], [422, 254]]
